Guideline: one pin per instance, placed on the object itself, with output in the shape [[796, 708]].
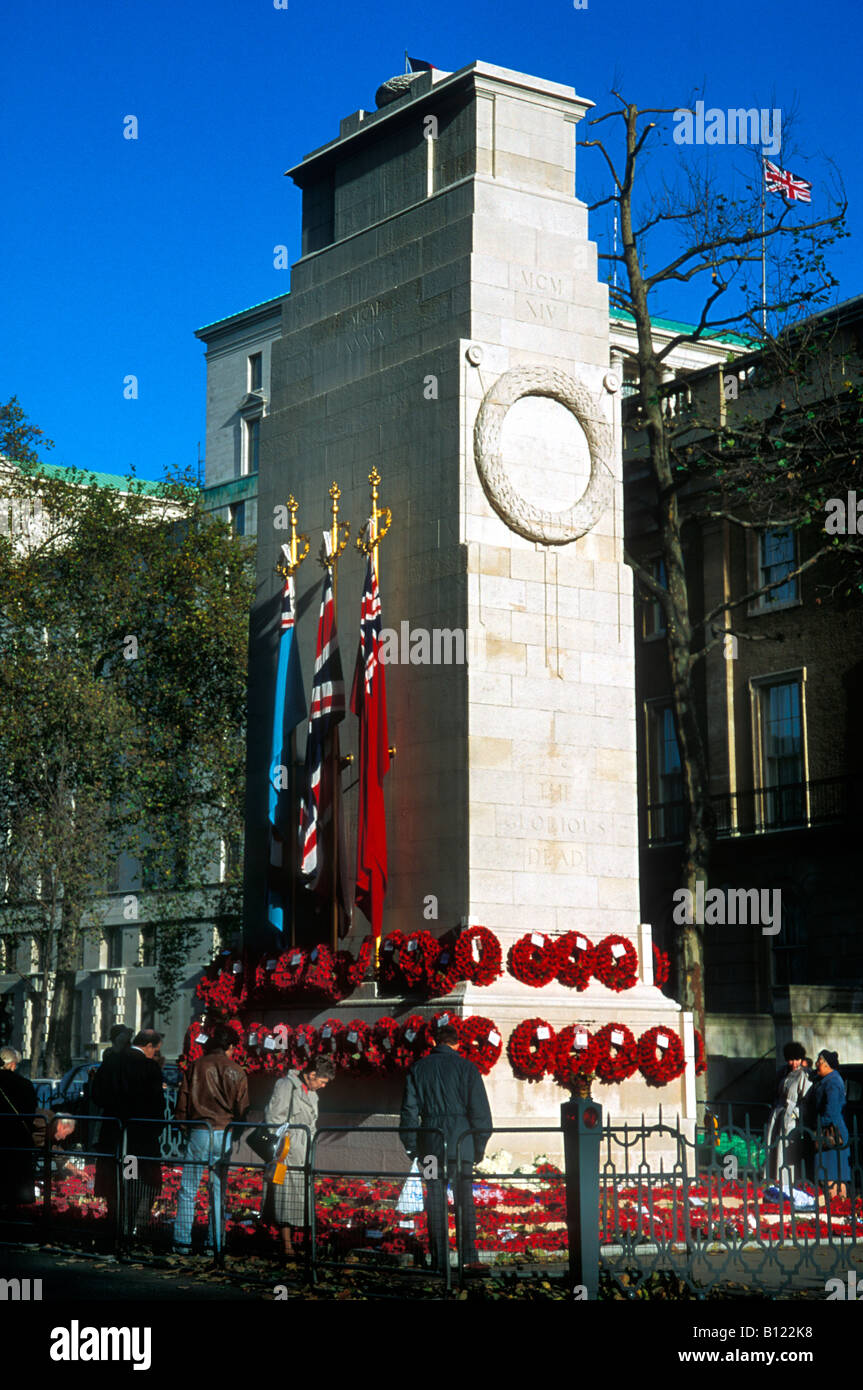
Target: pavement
[[68, 1276]]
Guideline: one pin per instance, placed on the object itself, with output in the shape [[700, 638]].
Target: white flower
[[500, 1162]]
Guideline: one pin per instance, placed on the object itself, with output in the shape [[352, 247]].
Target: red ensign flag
[[369, 704]]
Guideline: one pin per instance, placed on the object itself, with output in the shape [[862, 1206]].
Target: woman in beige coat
[[294, 1102]]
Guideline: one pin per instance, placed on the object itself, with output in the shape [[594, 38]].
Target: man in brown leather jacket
[[215, 1090]]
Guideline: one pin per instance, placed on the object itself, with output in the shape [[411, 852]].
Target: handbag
[[828, 1138], [263, 1143]]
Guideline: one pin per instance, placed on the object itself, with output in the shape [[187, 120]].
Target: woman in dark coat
[[832, 1163]]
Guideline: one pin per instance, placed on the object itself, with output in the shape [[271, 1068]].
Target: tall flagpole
[[337, 545], [763, 251], [293, 558], [294, 562], [380, 520]]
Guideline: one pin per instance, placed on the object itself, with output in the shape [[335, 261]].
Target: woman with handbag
[[783, 1139], [294, 1102], [832, 1161]]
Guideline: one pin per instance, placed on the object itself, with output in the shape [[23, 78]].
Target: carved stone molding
[[521, 516]]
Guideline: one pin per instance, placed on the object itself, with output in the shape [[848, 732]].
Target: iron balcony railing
[[764, 810]]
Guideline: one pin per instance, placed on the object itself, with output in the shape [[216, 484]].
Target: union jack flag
[[778, 180], [320, 806]]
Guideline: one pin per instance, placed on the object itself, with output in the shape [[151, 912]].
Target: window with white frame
[[780, 750], [256, 371], [251, 444], [777, 557]]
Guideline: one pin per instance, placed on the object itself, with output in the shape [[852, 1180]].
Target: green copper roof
[[263, 304], [674, 326], [88, 479]]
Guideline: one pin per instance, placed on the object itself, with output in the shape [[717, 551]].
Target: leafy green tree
[[123, 658]]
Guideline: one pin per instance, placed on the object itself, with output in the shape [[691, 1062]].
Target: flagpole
[[293, 559], [380, 520], [293, 565], [337, 546], [763, 252]]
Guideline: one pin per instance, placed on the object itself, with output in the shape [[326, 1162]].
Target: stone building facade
[[780, 718]]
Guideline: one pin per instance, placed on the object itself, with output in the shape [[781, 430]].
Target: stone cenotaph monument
[[446, 325]]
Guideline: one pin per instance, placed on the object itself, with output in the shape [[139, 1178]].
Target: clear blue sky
[[114, 250]]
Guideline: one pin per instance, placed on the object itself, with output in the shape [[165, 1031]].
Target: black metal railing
[[764, 810], [609, 1209]]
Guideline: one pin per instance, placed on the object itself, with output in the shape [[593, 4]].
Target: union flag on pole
[[778, 180], [289, 707], [321, 804], [369, 704]]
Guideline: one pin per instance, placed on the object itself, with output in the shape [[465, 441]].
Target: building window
[[238, 518], [107, 1013], [146, 1009], [652, 610], [781, 753], [113, 952], [665, 791], [251, 444], [8, 955], [777, 556], [256, 371], [77, 1013], [148, 946]]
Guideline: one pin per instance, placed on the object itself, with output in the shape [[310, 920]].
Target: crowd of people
[[807, 1134], [444, 1095]]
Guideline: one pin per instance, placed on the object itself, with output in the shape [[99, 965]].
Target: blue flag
[[289, 709]]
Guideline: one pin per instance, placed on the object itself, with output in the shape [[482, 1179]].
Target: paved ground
[[68, 1277]]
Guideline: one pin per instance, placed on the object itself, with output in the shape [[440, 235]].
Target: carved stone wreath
[[521, 516]]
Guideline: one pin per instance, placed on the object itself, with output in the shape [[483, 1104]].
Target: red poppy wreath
[[533, 959], [574, 1054], [531, 1049], [413, 1042], [616, 963], [660, 1056], [385, 1034], [480, 1042], [575, 958], [478, 956], [616, 1053]]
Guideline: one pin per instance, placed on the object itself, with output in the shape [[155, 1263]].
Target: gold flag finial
[[293, 556], [379, 522]]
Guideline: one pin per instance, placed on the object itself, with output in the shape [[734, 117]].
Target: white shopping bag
[[411, 1196]]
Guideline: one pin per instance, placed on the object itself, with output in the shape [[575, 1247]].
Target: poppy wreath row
[[700, 1054], [537, 959], [612, 1054], [408, 963], [355, 1047]]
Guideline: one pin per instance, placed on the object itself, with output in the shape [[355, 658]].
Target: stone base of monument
[[526, 1113]]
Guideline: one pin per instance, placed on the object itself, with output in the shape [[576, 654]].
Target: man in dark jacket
[[445, 1092], [215, 1090], [135, 1092]]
